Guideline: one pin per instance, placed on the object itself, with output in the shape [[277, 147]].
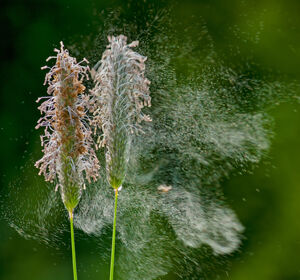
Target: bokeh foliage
[[267, 201]]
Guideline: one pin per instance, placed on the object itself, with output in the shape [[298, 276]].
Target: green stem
[[112, 260], [73, 246]]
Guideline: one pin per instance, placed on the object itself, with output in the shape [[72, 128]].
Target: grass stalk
[[73, 246], [112, 260]]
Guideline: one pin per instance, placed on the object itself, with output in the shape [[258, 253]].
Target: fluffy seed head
[[67, 141], [120, 93]]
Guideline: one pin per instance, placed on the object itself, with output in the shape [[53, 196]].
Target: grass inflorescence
[[120, 93], [69, 157]]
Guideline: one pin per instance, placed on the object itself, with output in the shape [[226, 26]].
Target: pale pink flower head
[[69, 157]]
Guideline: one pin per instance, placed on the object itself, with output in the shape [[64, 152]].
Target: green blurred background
[[267, 201]]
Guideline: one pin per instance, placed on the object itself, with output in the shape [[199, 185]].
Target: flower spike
[[69, 157], [120, 93]]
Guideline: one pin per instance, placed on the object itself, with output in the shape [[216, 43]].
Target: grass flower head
[[120, 93], [69, 157]]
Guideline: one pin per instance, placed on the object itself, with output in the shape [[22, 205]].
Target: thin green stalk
[[112, 260], [73, 246]]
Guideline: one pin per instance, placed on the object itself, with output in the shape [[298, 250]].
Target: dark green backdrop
[[267, 201]]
